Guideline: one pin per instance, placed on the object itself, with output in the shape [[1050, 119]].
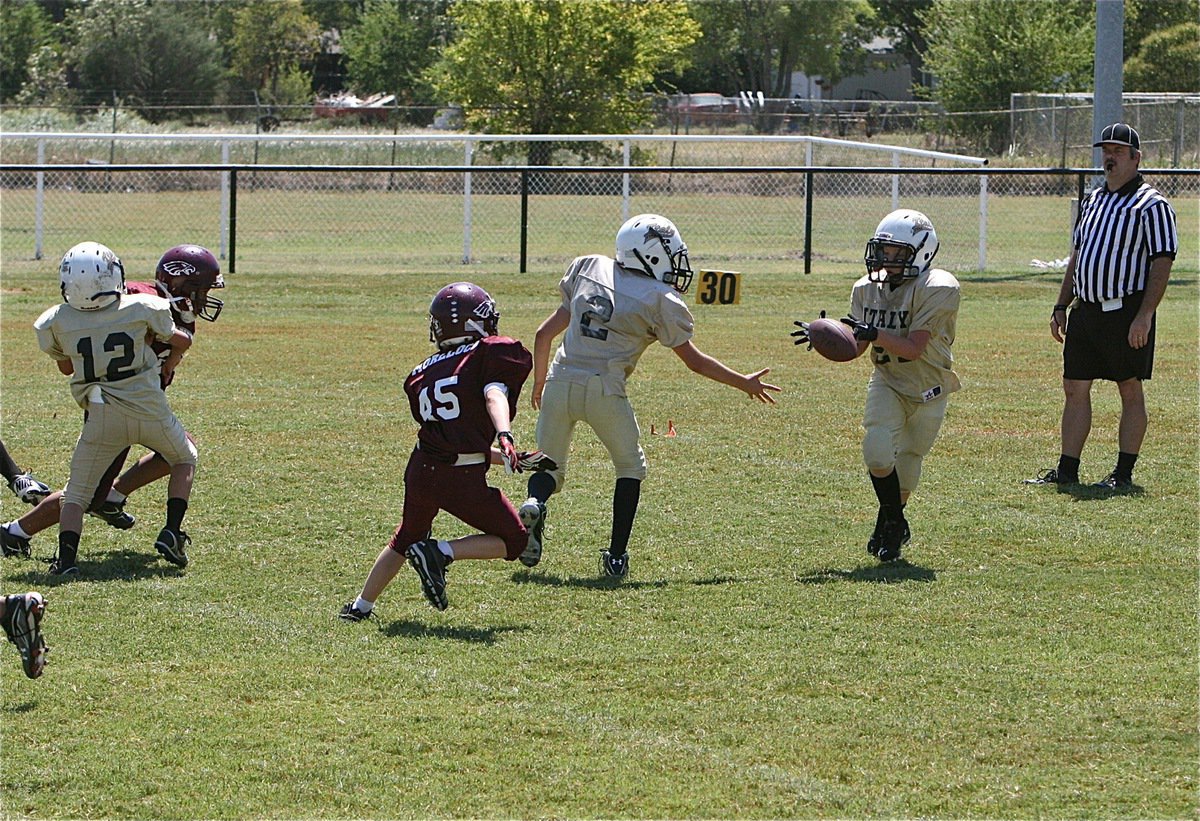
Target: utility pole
[[1108, 68]]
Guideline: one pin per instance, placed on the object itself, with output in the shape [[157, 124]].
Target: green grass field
[[1035, 656]]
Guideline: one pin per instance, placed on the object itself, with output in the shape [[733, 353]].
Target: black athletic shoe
[[13, 545], [1115, 482], [23, 626], [430, 564], [172, 545], [533, 516], [614, 565], [63, 563], [113, 514], [876, 541], [1052, 477], [351, 613], [891, 539]]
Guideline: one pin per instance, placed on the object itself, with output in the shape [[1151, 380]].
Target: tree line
[[564, 66]]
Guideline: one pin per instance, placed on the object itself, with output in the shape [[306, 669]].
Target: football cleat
[[614, 565], [1115, 482], [891, 538], [28, 489], [113, 514], [430, 564], [1052, 477], [876, 540], [64, 561], [23, 625], [13, 545], [533, 516], [351, 613], [171, 544]]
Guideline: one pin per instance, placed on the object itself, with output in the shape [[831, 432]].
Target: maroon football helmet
[[462, 312], [188, 272]]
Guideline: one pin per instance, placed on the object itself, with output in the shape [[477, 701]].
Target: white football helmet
[[651, 245], [91, 276], [912, 233]]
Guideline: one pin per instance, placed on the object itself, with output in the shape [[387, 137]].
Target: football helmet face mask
[[91, 277], [651, 245], [903, 247], [462, 312], [187, 273]]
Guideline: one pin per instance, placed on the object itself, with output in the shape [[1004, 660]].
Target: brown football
[[833, 340]]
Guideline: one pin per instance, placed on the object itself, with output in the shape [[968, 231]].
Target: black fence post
[[524, 219], [233, 220], [808, 208]]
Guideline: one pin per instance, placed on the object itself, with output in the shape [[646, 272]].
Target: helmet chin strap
[[646, 269]]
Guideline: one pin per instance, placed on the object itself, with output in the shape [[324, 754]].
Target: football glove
[[535, 461], [508, 452], [28, 489], [862, 331], [801, 336]]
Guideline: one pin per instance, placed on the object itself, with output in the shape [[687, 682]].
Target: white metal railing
[[470, 142]]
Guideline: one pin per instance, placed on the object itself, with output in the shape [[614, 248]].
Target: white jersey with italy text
[[927, 302]]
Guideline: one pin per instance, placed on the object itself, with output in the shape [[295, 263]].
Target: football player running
[[464, 398], [905, 310], [611, 311], [185, 276]]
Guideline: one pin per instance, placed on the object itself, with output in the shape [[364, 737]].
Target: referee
[[1123, 246]]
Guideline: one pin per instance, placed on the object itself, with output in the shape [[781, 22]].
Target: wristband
[[1058, 308]]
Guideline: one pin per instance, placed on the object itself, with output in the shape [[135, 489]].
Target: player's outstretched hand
[[535, 461], [508, 452], [801, 337], [862, 331], [759, 389]]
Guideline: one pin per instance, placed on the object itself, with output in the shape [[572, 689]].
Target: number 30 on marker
[[719, 288]]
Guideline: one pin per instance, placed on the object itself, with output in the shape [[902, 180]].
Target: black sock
[[1068, 468], [1125, 464], [175, 510], [625, 504], [541, 485], [7, 466], [887, 490], [68, 544]]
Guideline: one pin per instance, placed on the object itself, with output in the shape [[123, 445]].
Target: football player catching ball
[[905, 310]]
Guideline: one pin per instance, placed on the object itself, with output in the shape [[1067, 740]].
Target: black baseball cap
[[1120, 134]]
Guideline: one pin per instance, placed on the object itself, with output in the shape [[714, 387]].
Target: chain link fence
[[1060, 126], [767, 206]]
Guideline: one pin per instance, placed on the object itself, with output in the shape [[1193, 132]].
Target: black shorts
[[1097, 343]]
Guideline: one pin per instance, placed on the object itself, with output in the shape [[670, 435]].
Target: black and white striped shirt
[[1117, 235]]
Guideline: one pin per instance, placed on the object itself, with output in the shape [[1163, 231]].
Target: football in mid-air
[[833, 339]]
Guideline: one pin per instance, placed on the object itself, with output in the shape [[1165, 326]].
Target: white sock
[[113, 496], [363, 606], [446, 549], [15, 529]]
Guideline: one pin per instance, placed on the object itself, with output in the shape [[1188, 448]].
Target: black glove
[[801, 336], [862, 331]]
